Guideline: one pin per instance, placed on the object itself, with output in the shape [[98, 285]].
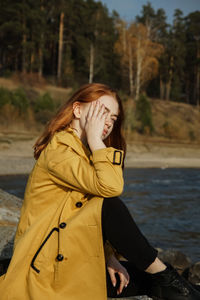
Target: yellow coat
[[58, 247]]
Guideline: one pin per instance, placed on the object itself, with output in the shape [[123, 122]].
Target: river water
[[165, 204]]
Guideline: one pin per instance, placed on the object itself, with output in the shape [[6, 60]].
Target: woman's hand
[[94, 126], [114, 266]]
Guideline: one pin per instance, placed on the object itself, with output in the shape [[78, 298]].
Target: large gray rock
[[194, 273], [176, 258], [9, 215]]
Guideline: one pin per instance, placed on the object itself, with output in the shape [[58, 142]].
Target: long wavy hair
[[86, 93]]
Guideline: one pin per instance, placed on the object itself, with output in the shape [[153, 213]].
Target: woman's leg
[[122, 232]]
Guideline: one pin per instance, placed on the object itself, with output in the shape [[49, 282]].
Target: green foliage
[[192, 135], [29, 38], [16, 98], [43, 106], [19, 100], [130, 122], [44, 103], [5, 96], [144, 115], [166, 127], [44, 116], [123, 95]]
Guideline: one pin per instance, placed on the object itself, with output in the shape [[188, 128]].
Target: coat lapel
[[70, 138]]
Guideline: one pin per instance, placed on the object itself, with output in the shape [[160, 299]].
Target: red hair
[[86, 93]]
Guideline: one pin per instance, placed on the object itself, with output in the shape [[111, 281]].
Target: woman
[[72, 221]]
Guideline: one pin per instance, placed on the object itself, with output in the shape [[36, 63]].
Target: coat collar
[[70, 138]]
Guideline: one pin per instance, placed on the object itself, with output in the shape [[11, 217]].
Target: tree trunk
[[124, 37], [41, 47], [40, 69], [60, 46], [16, 63], [169, 83], [24, 53], [139, 69], [131, 69], [31, 62], [24, 40], [91, 75], [162, 89]]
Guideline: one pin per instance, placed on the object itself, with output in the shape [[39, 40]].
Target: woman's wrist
[[96, 144]]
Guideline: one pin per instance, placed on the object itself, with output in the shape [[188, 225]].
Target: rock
[[9, 215], [194, 273], [4, 266], [176, 258], [6, 243]]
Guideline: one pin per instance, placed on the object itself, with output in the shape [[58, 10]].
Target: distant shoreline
[[16, 157]]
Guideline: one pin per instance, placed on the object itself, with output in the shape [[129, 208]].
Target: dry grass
[[57, 93], [177, 121], [8, 83], [173, 122]]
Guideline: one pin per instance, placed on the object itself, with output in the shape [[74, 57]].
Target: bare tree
[[91, 73], [131, 69], [60, 45]]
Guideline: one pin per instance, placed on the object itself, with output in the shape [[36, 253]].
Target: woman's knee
[[112, 202], [114, 205]]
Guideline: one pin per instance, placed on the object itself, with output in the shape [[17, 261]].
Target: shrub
[[19, 100], [5, 96], [144, 115], [130, 122], [16, 98], [44, 103], [44, 116], [192, 135]]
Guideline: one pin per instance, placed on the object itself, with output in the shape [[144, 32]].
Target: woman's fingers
[[102, 112], [95, 121], [96, 108], [90, 111], [124, 281], [112, 277], [114, 266]]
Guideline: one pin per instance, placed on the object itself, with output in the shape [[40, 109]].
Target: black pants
[[121, 231]]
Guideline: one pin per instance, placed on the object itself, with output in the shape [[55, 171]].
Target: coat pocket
[[47, 251], [92, 240]]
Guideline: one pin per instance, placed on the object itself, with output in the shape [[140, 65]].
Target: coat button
[[60, 257], [79, 204], [62, 225]]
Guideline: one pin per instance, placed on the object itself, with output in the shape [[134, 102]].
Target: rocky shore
[[9, 216], [16, 157]]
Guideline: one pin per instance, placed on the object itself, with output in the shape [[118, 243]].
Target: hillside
[[173, 122]]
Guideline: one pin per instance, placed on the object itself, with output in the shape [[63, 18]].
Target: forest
[[74, 42]]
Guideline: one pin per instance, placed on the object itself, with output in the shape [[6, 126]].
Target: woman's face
[[112, 108]]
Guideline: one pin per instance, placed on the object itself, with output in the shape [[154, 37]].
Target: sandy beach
[[162, 155], [16, 155]]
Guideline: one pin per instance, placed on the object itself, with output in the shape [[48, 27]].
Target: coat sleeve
[[103, 177]]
